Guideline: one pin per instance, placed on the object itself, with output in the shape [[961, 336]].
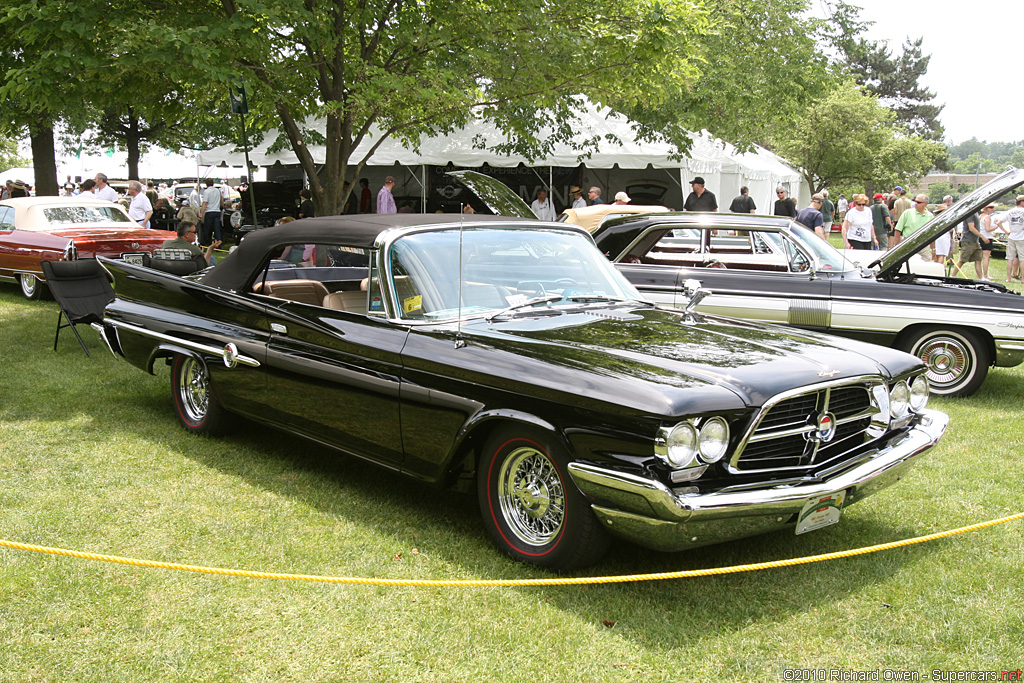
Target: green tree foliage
[[9, 157], [892, 77], [974, 156], [847, 137], [350, 75]]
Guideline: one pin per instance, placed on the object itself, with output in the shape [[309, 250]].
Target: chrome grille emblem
[[826, 428]]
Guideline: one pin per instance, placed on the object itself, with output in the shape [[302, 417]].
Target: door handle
[[279, 328]]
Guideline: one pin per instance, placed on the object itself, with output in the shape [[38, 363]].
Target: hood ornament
[[828, 373], [696, 292]]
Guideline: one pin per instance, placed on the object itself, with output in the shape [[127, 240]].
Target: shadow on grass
[[665, 614]]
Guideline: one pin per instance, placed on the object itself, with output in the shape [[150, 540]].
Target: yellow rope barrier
[[488, 583]]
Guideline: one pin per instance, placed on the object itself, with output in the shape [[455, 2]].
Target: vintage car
[[36, 229], [770, 269], [592, 217], [510, 357]]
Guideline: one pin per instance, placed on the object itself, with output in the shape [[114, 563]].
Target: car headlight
[[681, 445], [713, 439], [899, 399], [919, 393]]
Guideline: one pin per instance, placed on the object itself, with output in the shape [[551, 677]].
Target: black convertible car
[[771, 269], [511, 358]]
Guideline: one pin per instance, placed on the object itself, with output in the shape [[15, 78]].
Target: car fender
[[470, 439]]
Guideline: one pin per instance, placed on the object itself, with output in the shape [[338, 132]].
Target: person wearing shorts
[[970, 244]]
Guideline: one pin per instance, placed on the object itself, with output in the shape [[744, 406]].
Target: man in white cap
[[621, 198], [700, 199]]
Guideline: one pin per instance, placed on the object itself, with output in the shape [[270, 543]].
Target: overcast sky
[[976, 49]]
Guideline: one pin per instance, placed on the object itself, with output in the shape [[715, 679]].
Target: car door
[[334, 376], [758, 275]]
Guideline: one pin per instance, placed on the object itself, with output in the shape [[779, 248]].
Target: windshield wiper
[[583, 298], [545, 299]]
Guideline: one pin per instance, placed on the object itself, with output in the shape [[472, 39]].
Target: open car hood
[[269, 194], [893, 260], [495, 194]]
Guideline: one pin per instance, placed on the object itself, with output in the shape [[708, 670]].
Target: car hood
[[893, 260], [495, 194], [269, 194], [651, 359]]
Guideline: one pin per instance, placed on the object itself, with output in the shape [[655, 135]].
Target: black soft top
[[361, 230]]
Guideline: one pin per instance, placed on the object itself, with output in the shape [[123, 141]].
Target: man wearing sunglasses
[[912, 220], [186, 239]]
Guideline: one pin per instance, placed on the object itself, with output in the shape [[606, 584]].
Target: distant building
[[953, 179]]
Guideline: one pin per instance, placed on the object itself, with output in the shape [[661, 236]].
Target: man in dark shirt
[[306, 207], [700, 199], [784, 206], [743, 203], [882, 220], [812, 218]]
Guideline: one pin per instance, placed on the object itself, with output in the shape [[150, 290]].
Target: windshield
[[84, 215], [501, 268], [826, 257]]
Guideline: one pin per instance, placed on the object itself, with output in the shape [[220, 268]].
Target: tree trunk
[[44, 159], [132, 142]]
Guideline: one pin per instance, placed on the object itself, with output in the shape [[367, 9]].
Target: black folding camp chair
[[82, 291]]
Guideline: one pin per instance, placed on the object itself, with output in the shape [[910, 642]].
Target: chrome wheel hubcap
[[531, 496], [29, 284], [949, 360]]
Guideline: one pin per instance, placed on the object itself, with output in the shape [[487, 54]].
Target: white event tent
[[620, 160]]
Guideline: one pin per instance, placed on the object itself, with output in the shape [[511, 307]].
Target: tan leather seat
[[301, 291], [353, 302]]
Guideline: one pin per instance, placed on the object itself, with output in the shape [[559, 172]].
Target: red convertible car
[[35, 229]]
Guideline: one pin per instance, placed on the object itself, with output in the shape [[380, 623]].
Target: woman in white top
[[858, 228]]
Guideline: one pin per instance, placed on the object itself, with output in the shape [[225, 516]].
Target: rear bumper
[[648, 513]]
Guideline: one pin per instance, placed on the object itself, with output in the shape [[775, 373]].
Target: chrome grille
[[785, 434]]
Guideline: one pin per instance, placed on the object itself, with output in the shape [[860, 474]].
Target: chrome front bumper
[[648, 513]]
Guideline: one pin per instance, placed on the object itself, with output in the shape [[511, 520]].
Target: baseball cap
[[698, 179], [816, 197], [879, 195], [621, 197]]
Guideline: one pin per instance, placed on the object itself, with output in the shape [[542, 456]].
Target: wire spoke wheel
[[194, 390], [531, 496]]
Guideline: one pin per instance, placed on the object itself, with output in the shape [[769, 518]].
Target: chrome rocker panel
[[651, 514]]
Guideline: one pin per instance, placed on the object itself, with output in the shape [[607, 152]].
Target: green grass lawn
[[92, 459]]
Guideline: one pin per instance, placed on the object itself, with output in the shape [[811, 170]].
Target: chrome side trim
[[227, 353], [103, 335]]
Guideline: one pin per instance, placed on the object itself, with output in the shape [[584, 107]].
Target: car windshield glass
[[83, 215], [826, 256], [501, 268]]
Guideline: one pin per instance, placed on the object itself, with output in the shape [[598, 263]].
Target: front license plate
[[820, 511]]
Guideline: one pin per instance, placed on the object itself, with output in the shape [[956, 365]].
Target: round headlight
[[919, 392], [899, 399], [681, 445], [714, 440]]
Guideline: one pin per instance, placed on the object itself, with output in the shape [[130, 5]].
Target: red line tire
[[194, 402], [530, 506]]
